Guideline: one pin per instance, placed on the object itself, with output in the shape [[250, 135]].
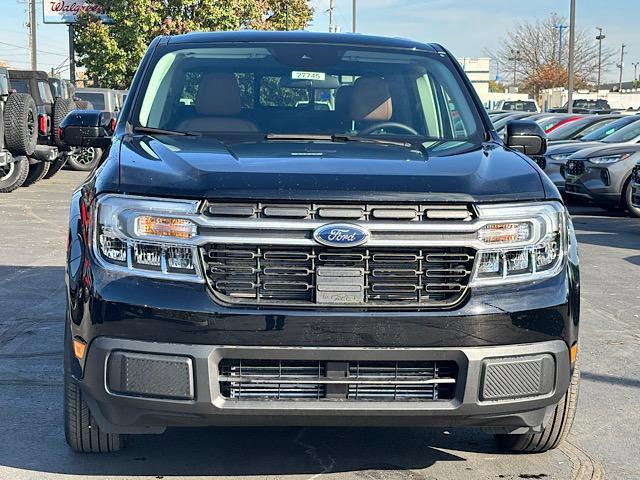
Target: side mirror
[[87, 128], [526, 136]]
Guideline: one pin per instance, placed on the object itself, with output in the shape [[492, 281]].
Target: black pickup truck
[[294, 228]]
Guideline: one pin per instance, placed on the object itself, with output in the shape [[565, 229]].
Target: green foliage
[[496, 87], [111, 52]]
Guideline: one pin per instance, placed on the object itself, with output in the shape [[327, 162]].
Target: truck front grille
[[325, 276], [248, 379], [341, 211]]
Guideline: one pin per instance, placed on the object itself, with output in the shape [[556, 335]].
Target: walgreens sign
[[67, 11]]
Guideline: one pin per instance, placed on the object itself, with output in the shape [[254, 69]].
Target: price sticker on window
[[307, 76]]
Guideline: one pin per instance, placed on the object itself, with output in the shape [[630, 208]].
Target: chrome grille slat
[[373, 212], [251, 379], [273, 275]]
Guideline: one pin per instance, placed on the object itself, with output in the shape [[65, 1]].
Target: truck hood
[[201, 167]]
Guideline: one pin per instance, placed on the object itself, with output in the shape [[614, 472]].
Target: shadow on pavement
[[624, 381], [32, 438]]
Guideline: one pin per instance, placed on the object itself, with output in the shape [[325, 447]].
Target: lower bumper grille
[[317, 276], [328, 380]]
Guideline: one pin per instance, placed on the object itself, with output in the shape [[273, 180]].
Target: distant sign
[[67, 11]]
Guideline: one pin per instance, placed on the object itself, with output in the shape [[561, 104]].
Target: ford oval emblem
[[341, 235]]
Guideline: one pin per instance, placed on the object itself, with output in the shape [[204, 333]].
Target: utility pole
[[635, 71], [561, 29], [32, 34], [353, 17], [621, 66], [572, 46], [72, 55], [332, 27], [599, 38], [515, 58]]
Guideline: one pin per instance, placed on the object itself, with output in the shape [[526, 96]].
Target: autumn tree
[[531, 48], [110, 52]]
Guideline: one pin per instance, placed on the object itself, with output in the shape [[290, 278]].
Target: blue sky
[[466, 27]]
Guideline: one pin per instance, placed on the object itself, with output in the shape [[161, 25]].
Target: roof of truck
[[302, 36], [26, 74]]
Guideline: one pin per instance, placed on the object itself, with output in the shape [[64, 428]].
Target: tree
[[496, 87], [110, 52], [531, 48]]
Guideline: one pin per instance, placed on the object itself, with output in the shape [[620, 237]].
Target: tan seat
[[371, 100], [217, 105]]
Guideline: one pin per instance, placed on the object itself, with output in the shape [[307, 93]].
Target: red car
[[551, 123]]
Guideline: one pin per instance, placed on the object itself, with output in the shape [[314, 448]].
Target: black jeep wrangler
[[18, 134], [50, 113], [294, 228]]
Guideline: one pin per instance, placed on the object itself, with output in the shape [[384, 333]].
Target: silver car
[[624, 130], [603, 175]]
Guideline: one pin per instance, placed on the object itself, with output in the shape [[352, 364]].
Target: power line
[[27, 48]]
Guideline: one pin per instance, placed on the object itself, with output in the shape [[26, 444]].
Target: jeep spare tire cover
[[20, 124], [84, 105], [61, 108]]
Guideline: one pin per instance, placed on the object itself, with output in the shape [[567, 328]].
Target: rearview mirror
[[526, 136], [87, 128]]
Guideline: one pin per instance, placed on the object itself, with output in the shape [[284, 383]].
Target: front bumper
[[125, 413], [599, 183]]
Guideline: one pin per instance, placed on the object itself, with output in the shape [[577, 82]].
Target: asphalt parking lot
[[32, 244]]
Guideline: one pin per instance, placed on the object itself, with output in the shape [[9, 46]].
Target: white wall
[[557, 97]]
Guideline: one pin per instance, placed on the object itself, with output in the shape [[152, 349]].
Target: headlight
[[530, 245], [149, 237], [609, 158], [559, 156]]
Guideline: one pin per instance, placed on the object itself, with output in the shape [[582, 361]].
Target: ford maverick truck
[[295, 228]]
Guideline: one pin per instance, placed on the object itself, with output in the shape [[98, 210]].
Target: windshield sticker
[[308, 76]]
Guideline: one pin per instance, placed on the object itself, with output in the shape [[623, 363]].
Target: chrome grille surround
[[259, 379]]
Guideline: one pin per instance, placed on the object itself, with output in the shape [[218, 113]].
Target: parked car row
[[589, 156], [32, 106]]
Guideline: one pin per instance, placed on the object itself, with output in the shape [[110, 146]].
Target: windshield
[[626, 134], [583, 126], [608, 129], [95, 99], [313, 89]]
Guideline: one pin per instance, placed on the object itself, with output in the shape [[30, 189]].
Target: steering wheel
[[381, 125]]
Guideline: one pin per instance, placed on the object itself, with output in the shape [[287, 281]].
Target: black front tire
[[556, 429], [13, 176], [37, 171], [81, 431]]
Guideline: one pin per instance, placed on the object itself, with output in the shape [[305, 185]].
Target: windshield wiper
[[416, 145], [162, 131], [413, 144]]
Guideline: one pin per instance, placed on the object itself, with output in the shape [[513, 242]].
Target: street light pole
[[599, 38], [515, 59], [621, 66], [572, 45], [353, 17], [560, 28]]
